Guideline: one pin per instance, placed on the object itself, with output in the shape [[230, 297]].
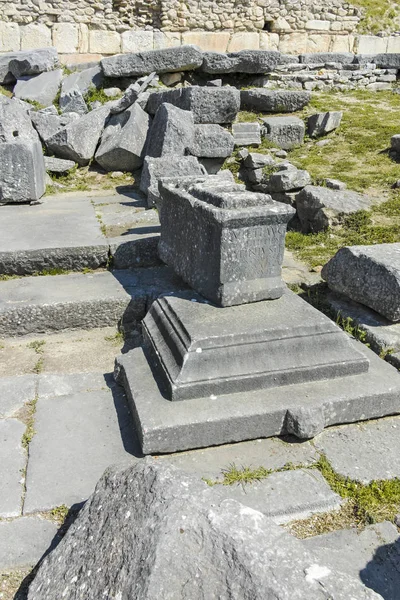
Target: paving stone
[[14, 392], [246, 134], [371, 555], [62, 232], [23, 541], [280, 101], [66, 472], [364, 451], [12, 463], [52, 385], [39, 88], [167, 60]]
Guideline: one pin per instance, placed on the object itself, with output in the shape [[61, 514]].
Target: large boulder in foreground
[[152, 532], [168, 60], [319, 208], [22, 172], [369, 275], [274, 101], [172, 131]]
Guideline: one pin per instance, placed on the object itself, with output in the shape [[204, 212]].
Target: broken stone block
[[264, 100], [155, 169], [289, 180], [15, 122], [76, 85], [78, 140], [48, 124], [172, 131], [123, 141], [236, 230], [168, 60], [41, 88], [211, 141], [112, 92], [246, 134], [22, 171], [208, 105], [245, 61], [171, 79], [322, 123], [254, 160], [32, 62], [212, 165], [285, 132], [58, 165], [133, 93], [369, 275], [335, 184], [320, 58], [319, 208], [395, 142]]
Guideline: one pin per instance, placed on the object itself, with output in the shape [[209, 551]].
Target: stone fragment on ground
[[48, 124], [155, 169], [371, 555], [319, 208], [24, 541], [165, 509], [245, 61], [211, 141], [280, 101], [246, 134], [39, 88], [208, 105], [78, 140], [286, 132], [76, 85], [335, 184], [167, 60], [12, 464], [123, 141], [323, 123], [172, 132], [58, 165], [369, 275], [289, 180]]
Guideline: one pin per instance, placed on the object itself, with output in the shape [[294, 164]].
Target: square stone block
[[208, 41], [35, 35], [66, 37]]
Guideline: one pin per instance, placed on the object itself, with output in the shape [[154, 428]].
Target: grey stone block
[[251, 358], [385, 60], [41, 88], [227, 245], [211, 141], [15, 123], [335, 184], [289, 180], [319, 208], [155, 169], [368, 274], [33, 62], [133, 93], [165, 426], [78, 140], [76, 85], [364, 452], [254, 160], [208, 105], [320, 58], [74, 102], [14, 392], [145, 510], [12, 463], [48, 124], [123, 140], [24, 541], [264, 100], [285, 132], [323, 123], [212, 165], [58, 165], [371, 555], [395, 142], [172, 131], [245, 61], [67, 473], [22, 172], [246, 134], [168, 60]]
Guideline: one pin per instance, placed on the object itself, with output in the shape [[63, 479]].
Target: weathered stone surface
[[245, 61], [389, 60], [246, 134], [48, 124], [15, 123], [212, 165], [168, 60], [41, 88], [32, 62], [155, 169], [132, 94], [368, 274], [322, 123], [58, 165], [12, 463], [150, 508], [78, 140], [343, 58], [263, 100], [123, 141], [254, 160], [75, 86], [395, 142], [22, 171], [285, 132], [208, 105], [172, 132], [319, 208], [289, 180], [335, 184], [24, 541], [14, 392], [211, 141], [365, 452], [371, 555], [193, 244]]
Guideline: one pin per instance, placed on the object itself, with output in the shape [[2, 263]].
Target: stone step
[[81, 301]]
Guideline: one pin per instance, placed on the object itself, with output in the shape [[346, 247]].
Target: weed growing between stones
[[98, 95], [117, 339], [27, 416], [38, 347]]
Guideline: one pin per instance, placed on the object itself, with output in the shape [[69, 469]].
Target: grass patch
[[97, 95], [117, 339], [38, 347], [59, 514], [27, 415], [36, 105], [246, 475], [378, 16], [345, 518], [6, 92]]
